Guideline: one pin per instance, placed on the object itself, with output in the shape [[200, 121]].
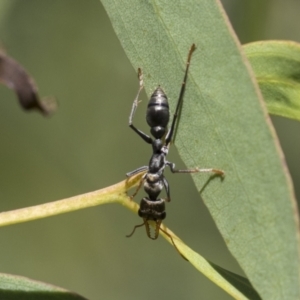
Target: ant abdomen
[[158, 114]]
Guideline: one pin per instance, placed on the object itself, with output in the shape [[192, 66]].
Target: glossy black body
[[152, 207]]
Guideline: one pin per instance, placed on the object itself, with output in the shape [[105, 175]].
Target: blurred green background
[[70, 49]]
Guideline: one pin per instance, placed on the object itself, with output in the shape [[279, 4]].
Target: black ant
[[152, 208]]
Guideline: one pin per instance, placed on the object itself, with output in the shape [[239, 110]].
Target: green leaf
[[223, 125], [276, 65], [18, 287], [238, 281]]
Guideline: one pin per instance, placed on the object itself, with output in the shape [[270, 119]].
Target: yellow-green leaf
[[276, 65]]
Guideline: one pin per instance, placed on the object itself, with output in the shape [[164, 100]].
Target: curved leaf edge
[[20, 287], [282, 95]]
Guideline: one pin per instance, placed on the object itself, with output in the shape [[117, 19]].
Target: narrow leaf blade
[[18, 287], [223, 125], [276, 65]]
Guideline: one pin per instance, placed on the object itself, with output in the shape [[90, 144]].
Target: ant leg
[[134, 228], [196, 170], [144, 136], [166, 185], [180, 99], [138, 188], [136, 171], [136, 100], [170, 237], [215, 171]]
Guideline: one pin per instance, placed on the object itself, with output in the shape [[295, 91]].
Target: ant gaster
[[152, 208]]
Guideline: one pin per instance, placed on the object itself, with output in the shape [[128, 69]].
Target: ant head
[[152, 210]]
